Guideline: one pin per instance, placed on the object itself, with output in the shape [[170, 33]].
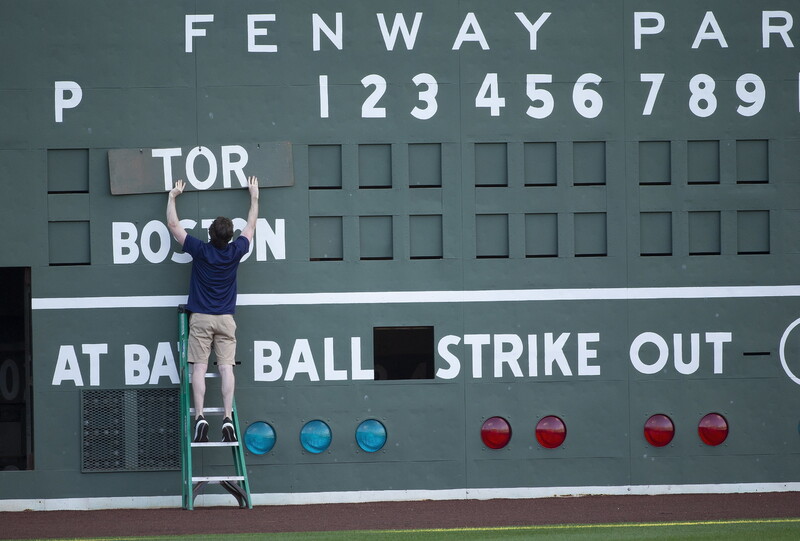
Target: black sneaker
[[228, 433], [200, 430]]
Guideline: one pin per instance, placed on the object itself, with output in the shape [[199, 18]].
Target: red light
[[713, 429], [495, 433], [551, 431], [659, 430]]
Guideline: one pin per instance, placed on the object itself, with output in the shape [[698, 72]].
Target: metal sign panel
[[153, 170]]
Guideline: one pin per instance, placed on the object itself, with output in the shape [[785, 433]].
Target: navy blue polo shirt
[[212, 286]]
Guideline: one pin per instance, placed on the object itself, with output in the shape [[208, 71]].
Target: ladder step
[[210, 375], [215, 444], [218, 479], [215, 411]]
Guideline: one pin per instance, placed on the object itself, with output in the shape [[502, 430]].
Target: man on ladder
[[212, 303]]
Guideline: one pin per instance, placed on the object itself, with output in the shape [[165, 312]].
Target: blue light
[[259, 438], [371, 435], [315, 437]]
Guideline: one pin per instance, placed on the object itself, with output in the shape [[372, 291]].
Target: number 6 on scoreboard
[[655, 79]]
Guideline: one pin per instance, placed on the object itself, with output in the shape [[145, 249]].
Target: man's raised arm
[[173, 222], [252, 215]]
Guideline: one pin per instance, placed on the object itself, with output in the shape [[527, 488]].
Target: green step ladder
[[237, 485]]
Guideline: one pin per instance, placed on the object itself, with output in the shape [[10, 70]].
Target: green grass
[[729, 530]]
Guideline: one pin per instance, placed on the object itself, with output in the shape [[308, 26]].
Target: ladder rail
[[186, 429], [238, 458]]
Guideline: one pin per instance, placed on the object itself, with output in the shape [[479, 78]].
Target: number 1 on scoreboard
[[323, 96]]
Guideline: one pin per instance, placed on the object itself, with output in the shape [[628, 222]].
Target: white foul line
[[430, 297]]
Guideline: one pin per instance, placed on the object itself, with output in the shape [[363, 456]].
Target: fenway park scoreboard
[[509, 249]]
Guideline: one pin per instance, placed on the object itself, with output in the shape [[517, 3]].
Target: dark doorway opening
[[16, 445]]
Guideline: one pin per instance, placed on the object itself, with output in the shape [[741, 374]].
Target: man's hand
[[178, 189], [252, 215], [253, 187], [173, 222]]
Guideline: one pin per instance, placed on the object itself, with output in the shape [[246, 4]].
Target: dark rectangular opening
[[403, 352], [16, 396]]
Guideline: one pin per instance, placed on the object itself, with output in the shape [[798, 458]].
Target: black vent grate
[[130, 430]]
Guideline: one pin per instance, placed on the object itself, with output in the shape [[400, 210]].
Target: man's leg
[[225, 348], [199, 387], [198, 395], [228, 383], [200, 336]]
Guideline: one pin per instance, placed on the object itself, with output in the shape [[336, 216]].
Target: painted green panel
[[425, 164], [656, 233], [704, 233], [68, 206], [540, 164], [425, 236], [374, 166], [753, 232], [654, 162], [752, 161], [68, 171], [376, 237], [69, 243], [541, 235]]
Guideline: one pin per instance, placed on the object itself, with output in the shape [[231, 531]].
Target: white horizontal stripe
[[430, 297], [76, 303], [307, 498]]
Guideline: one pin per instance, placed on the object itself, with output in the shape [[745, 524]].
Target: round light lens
[[315, 437], [713, 429], [551, 432], [371, 435], [659, 430], [259, 438], [495, 433]]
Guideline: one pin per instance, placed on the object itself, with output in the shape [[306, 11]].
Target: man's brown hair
[[221, 232]]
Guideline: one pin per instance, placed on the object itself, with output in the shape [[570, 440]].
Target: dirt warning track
[[398, 515]]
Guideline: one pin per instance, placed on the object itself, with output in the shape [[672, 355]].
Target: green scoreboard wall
[[586, 210]]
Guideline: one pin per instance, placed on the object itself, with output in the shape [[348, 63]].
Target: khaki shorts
[[205, 330]]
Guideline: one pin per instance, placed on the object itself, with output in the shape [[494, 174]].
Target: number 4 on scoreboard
[[489, 95]]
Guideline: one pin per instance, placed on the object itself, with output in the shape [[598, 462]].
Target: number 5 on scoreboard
[[655, 79]]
